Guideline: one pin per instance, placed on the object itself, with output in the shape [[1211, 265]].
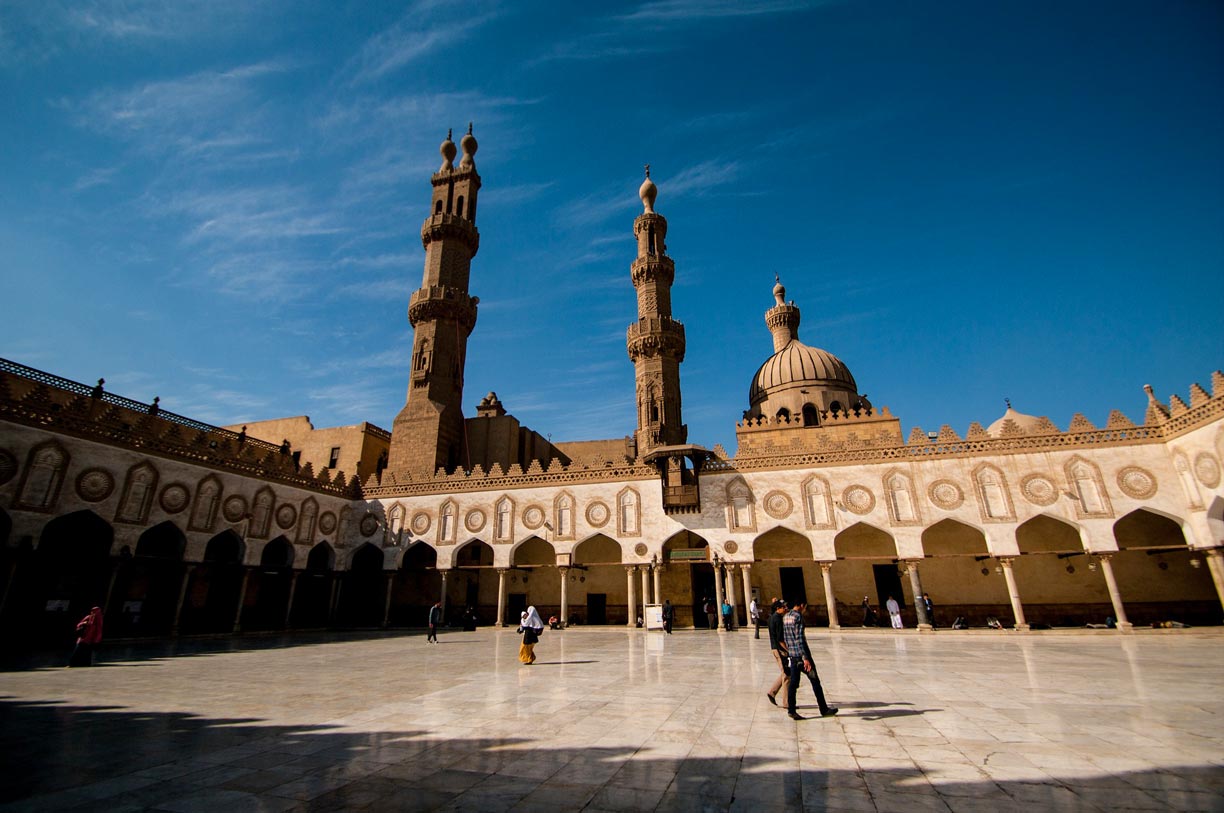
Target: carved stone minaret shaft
[[656, 340], [783, 318], [428, 432]]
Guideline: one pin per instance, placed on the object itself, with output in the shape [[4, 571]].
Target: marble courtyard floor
[[620, 720]]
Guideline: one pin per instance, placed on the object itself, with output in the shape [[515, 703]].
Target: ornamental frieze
[[95, 485], [441, 302], [946, 494], [441, 226], [1039, 489], [1136, 482]]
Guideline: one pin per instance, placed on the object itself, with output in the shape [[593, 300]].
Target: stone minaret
[[783, 318], [656, 340], [429, 431]]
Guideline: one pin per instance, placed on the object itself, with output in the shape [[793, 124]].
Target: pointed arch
[[782, 543], [1084, 478], [137, 497], [1048, 534], [226, 548], [862, 541], [1144, 528], [277, 554], [367, 559], [163, 541], [79, 536], [950, 537], [741, 507], [43, 476], [598, 549], [818, 504], [628, 512], [811, 417], [533, 551], [306, 521], [564, 515], [901, 498], [474, 552], [994, 496], [207, 501], [322, 558]]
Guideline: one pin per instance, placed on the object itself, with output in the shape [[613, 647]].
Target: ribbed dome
[[795, 364]]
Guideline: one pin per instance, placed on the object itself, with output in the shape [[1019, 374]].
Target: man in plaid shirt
[[799, 661]]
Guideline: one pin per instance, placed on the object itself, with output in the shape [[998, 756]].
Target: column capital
[[1006, 561], [825, 567], [630, 568], [1104, 557]]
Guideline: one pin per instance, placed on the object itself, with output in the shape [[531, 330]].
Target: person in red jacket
[[89, 635]]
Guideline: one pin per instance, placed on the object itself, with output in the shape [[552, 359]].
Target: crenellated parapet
[[442, 302], [442, 226]]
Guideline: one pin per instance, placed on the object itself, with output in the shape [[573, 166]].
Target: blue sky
[[219, 202]]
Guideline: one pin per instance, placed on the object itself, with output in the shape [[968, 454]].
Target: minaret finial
[[469, 128], [647, 192], [1008, 402], [648, 170], [449, 133]]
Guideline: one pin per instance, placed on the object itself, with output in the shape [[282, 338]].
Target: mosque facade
[[178, 527]]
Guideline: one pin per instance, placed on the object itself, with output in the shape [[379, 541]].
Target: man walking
[[435, 618], [775, 647], [799, 659], [711, 613], [669, 615], [754, 613]]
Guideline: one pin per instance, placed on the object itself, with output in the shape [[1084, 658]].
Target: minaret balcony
[[444, 226], [653, 268], [656, 336], [442, 302]]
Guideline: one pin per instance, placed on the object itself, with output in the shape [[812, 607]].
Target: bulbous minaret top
[[469, 145], [648, 192], [448, 153]]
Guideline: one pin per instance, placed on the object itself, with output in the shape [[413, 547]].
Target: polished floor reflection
[[618, 720]]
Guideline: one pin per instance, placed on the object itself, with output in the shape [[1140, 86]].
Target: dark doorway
[[888, 583], [793, 586], [597, 608], [516, 605], [702, 579]]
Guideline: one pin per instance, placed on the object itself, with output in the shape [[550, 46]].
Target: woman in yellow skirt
[[531, 625]]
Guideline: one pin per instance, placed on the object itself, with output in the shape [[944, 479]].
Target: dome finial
[[1008, 402], [779, 290], [469, 146], [448, 153], [648, 192]]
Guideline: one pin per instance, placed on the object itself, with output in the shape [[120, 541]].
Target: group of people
[[713, 611], [870, 619], [788, 643]]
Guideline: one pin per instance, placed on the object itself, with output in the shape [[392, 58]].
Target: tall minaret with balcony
[[428, 432], [656, 340]]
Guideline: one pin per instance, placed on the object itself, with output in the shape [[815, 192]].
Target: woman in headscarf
[[532, 625], [89, 635]]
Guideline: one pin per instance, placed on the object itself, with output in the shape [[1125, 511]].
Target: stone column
[[442, 598], [1215, 563], [564, 594], [631, 600], [1014, 594], [645, 592], [729, 592], [658, 591], [718, 597], [293, 577], [1114, 595], [746, 573], [924, 623], [387, 601], [501, 597], [246, 575], [827, 577], [178, 608]]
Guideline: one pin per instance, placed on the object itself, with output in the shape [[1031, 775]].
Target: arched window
[[261, 513], [204, 512], [810, 416], [816, 503], [459, 206], [446, 522], [306, 522], [395, 524], [137, 494], [438, 207], [502, 522], [565, 516], [627, 512], [46, 472]]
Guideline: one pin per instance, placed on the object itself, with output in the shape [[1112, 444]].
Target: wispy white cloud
[[700, 178], [425, 26], [686, 11], [156, 19]]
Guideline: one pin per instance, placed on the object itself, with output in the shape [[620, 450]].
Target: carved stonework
[[475, 520], [901, 499], [286, 515], [95, 485], [1088, 487], [858, 499], [234, 508], [946, 494], [640, 549], [731, 546], [1207, 470], [327, 522], [421, 522], [1039, 490], [598, 514], [8, 466], [533, 517], [818, 504], [368, 524], [174, 498], [778, 505], [1137, 483]]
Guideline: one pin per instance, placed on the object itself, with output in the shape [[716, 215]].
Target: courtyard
[[621, 720]]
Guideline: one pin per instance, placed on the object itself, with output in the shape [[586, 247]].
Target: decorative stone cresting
[[1039, 490], [174, 498], [946, 494], [1137, 483], [858, 499], [95, 485]]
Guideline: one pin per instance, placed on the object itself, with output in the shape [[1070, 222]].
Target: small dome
[[797, 364], [469, 145], [1026, 423], [448, 153], [648, 192]]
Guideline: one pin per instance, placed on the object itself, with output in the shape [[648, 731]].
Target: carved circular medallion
[[95, 485], [946, 494], [1207, 470], [731, 547], [1039, 489], [421, 522], [640, 549], [858, 499], [533, 517], [778, 505], [8, 466], [235, 508], [174, 498], [286, 515], [475, 520], [368, 524], [598, 514], [327, 522], [1137, 483]]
